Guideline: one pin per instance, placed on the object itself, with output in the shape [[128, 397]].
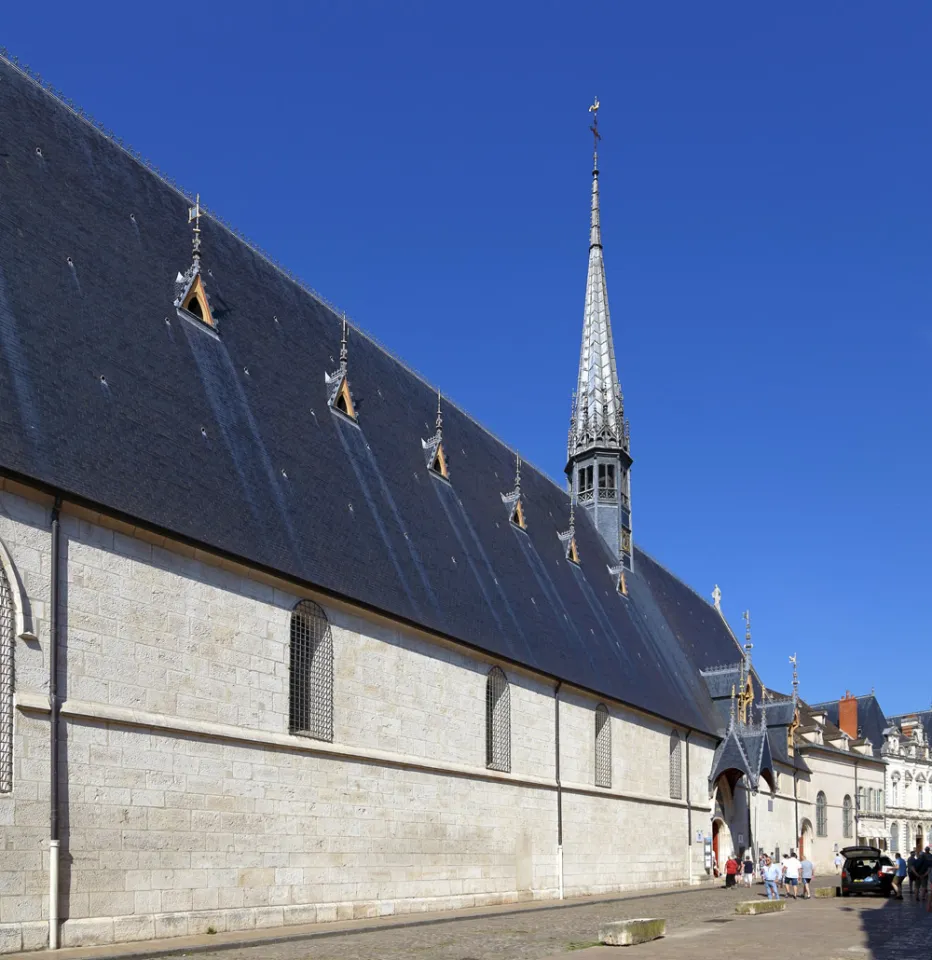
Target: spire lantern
[[598, 458]]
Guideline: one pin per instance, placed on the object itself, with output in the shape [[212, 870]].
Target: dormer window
[[195, 302], [440, 462], [343, 401], [513, 500], [434, 451]]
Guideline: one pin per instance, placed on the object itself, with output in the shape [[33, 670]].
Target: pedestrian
[[806, 873], [772, 874], [731, 871], [839, 862], [913, 876], [791, 873], [748, 869], [923, 868], [900, 876], [762, 865]]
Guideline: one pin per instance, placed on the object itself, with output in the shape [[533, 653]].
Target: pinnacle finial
[[748, 646], [717, 598], [439, 414], [344, 353], [518, 472], [795, 678], [194, 215], [596, 136]]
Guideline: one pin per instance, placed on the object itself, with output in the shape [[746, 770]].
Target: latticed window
[[603, 747], [311, 706], [846, 817], [894, 838], [821, 815], [676, 766], [7, 638], [497, 721]]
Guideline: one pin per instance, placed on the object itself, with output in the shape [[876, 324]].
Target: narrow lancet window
[[603, 746], [311, 674], [497, 721]]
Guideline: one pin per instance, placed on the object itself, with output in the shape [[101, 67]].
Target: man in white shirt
[[839, 862], [791, 873], [772, 873]]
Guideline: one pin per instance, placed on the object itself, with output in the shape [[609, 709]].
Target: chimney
[[848, 715]]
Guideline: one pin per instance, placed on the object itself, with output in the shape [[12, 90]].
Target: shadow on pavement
[[899, 930]]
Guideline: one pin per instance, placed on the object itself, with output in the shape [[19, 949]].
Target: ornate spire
[[190, 293], [339, 396], [433, 447], [194, 215], [598, 418], [513, 499]]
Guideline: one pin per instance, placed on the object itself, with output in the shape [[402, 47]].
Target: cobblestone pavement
[[525, 935]]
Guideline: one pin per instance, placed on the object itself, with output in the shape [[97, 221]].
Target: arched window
[[894, 838], [7, 637], [603, 747], [676, 766], [497, 721], [846, 817], [311, 679], [821, 815], [861, 795]]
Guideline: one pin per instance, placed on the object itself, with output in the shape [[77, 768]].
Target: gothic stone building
[[283, 641]]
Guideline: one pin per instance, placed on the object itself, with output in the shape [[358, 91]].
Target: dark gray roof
[[871, 721], [110, 397], [923, 716]]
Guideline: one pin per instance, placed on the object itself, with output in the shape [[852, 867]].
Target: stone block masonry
[[189, 805]]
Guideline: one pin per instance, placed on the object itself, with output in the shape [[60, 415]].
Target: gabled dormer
[[513, 500], [339, 397], [434, 451], [191, 298]]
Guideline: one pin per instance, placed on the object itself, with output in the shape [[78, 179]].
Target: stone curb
[[753, 908]]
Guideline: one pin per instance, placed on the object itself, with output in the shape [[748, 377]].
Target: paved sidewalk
[[528, 931]]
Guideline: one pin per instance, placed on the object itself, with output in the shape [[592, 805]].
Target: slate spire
[[597, 452]]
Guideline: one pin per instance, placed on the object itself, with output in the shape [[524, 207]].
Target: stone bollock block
[[625, 933]]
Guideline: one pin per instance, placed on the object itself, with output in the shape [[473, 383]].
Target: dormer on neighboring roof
[[513, 499], [190, 292], [621, 583], [433, 448], [339, 397], [568, 539]]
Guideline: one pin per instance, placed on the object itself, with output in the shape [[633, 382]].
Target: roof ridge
[[98, 127]]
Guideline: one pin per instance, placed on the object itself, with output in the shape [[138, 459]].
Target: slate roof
[[110, 397], [923, 716], [871, 720]]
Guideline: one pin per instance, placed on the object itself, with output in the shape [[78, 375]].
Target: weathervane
[[194, 214], [596, 136]]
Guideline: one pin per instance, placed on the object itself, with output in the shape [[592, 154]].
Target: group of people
[[918, 870], [791, 875]]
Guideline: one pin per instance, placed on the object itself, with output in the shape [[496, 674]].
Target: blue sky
[[766, 211]]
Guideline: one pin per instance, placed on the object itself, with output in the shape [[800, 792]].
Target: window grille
[[676, 767], [7, 639], [497, 721], [894, 838], [603, 747], [821, 819], [311, 688], [846, 817]]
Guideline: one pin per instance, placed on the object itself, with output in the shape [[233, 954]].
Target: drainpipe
[[796, 805], [556, 740], [857, 805], [54, 714], [689, 818]]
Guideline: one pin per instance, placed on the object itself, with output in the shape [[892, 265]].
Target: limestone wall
[[190, 805]]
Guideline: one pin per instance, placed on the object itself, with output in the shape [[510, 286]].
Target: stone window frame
[[846, 818], [603, 747], [821, 815], [497, 721], [310, 674], [676, 766]]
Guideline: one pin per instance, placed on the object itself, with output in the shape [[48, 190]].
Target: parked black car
[[866, 870]]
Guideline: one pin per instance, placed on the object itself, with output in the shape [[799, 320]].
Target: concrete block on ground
[[625, 933], [826, 891], [752, 908]]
